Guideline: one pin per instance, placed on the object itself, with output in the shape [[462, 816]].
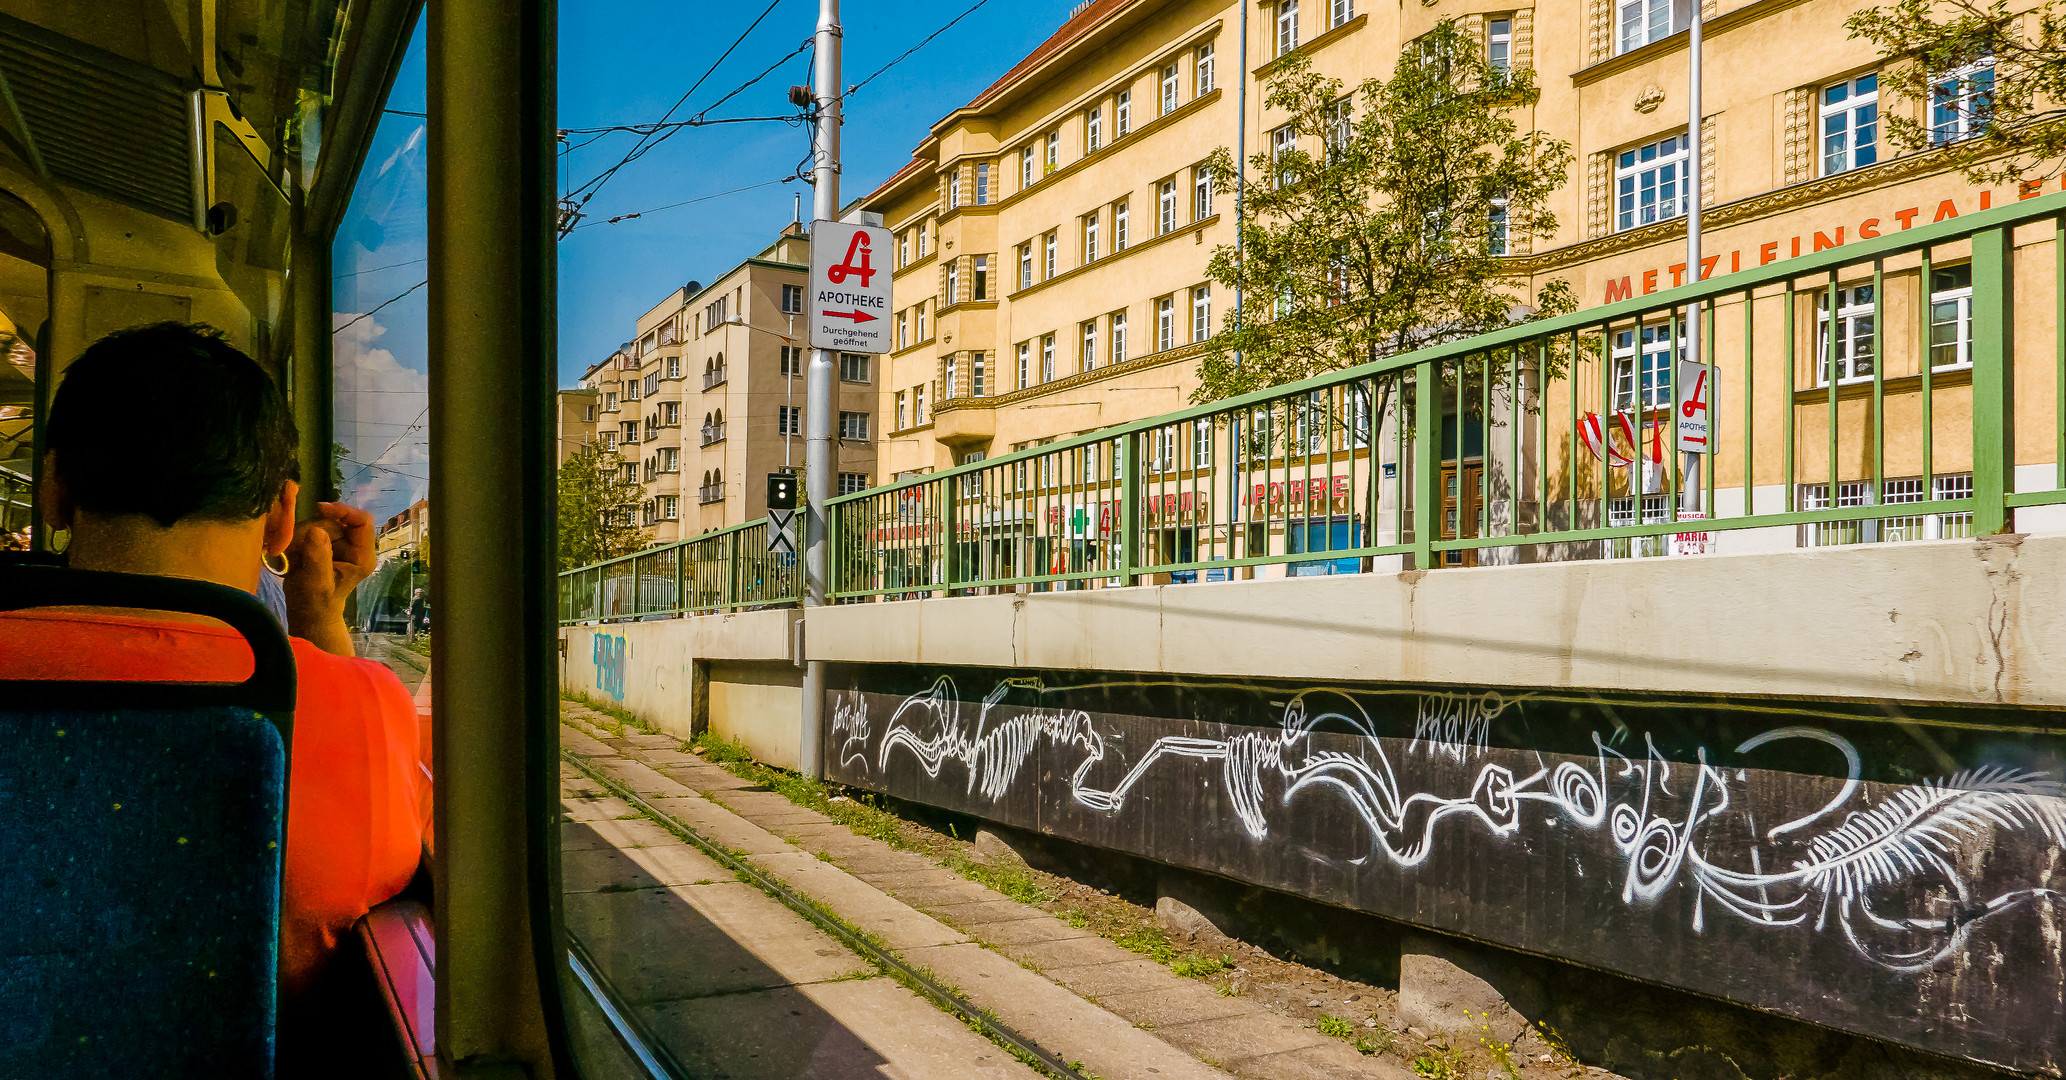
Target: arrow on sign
[[857, 315]]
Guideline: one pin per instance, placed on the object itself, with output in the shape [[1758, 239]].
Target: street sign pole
[[819, 466]]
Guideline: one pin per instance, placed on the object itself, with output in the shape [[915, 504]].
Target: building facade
[[708, 398], [1052, 238]]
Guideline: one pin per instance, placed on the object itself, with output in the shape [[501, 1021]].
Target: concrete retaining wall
[[1947, 621], [734, 675]]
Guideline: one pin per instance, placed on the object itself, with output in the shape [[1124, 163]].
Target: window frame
[[1854, 319], [1965, 120], [1960, 298], [1286, 36], [1630, 168], [1172, 82], [1202, 70], [1846, 111]]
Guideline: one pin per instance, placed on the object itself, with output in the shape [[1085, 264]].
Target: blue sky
[[625, 62]]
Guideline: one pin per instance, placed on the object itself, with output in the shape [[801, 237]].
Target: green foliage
[[1499, 1050], [1334, 1027], [721, 750], [597, 501], [1440, 1061], [1376, 234], [2021, 134], [1379, 1042], [1199, 965], [338, 452]]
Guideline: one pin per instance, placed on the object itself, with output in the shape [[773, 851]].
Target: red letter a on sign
[[858, 248]]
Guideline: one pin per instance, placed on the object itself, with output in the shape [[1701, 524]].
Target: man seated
[[171, 453]]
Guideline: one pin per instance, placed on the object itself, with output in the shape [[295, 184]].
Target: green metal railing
[[1548, 441], [726, 570]]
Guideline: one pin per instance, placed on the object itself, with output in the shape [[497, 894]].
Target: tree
[[1991, 84], [597, 508], [1393, 236]]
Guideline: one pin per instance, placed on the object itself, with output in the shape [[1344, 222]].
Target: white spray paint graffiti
[[1848, 875], [850, 727], [1454, 725]]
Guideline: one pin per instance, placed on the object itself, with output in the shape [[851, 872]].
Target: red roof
[[1077, 25]]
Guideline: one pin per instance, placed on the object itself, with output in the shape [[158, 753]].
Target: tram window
[[24, 311]]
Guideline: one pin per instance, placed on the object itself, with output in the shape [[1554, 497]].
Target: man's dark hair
[[173, 421]]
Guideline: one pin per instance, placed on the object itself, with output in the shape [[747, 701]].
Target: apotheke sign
[[849, 292]]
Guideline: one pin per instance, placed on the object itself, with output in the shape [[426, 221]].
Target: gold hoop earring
[[279, 571]]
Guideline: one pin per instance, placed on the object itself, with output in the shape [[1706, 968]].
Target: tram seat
[[140, 866]]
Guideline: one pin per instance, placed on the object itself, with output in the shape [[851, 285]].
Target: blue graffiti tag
[[609, 665]]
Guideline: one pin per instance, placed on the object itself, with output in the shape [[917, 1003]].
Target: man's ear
[[279, 521], [57, 498]]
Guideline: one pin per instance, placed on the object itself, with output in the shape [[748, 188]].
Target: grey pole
[[1692, 319], [819, 463]]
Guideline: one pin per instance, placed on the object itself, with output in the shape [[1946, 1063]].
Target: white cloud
[[382, 419]]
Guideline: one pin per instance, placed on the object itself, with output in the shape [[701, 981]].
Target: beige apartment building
[[708, 397], [1052, 235]]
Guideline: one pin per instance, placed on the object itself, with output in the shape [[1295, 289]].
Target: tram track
[[912, 978]]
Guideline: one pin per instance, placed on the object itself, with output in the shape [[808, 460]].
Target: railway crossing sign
[[782, 532], [849, 290]]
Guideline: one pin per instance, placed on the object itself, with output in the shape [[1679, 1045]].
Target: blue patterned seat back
[[139, 891], [142, 835]]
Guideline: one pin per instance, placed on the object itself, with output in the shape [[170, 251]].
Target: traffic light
[[781, 491]]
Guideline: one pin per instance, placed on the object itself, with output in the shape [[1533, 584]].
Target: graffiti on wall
[[609, 664], [1817, 834]]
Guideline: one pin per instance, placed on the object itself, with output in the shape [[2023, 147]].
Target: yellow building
[[708, 398], [1053, 234]]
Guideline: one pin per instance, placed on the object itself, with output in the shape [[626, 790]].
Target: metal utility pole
[[819, 466], [1692, 318]]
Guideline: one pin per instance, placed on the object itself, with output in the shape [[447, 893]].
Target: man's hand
[[326, 560]]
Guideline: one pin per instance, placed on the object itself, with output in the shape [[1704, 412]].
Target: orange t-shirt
[[358, 802]]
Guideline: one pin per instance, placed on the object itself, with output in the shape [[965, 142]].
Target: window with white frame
[[982, 183], [1340, 128], [1047, 358], [918, 321], [1650, 182], [1026, 167], [1165, 207], [977, 386], [670, 507], [1962, 102], [1201, 313], [1499, 42], [954, 189], [788, 420], [670, 413], [1642, 22], [1850, 124], [903, 249], [1052, 158], [1202, 69], [1119, 337], [1495, 227], [1025, 360], [1283, 140], [1025, 265], [1201, 444], [674, 367], [918, 413], [1088, 357], [1172, 80], [1119, 220], [1165, 324], [1090, 238], [1201, 193], [1340, 12], [950, 377], [1853, 342], [1287, 26], [922, 242], [1643, 370], [1049, 246], [1122, 113], [853, 367], [1093, 129], [853, 425], [900, 413], [1162, 449], [1951, 317], [903, 329], [979, 270], [953, 282], [670, 459], [850, 482]]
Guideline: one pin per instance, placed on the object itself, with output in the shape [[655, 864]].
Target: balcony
[[713, 433], [711, 493], [713, 378]]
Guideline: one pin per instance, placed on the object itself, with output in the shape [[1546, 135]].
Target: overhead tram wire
[[578, 197], [356, 319], [906, 54], [684, 202]]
